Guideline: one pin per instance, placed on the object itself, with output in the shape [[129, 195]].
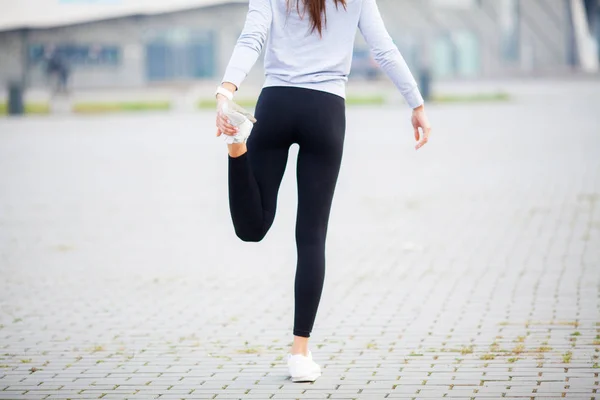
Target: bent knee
[[250, 236]]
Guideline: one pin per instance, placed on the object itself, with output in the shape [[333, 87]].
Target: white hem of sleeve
[[235, 76], [414, 98]]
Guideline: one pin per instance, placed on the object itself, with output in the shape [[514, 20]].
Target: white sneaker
[[303, 368], [241, 119]]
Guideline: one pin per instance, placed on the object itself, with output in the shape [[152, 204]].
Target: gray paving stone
[[300, 396], [432, 393], [517, 398], [520, 392], [459, 393], [407, 389]]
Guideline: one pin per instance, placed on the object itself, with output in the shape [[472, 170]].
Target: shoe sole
[[309, 378]]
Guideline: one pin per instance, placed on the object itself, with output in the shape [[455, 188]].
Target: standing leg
[[321, 141]]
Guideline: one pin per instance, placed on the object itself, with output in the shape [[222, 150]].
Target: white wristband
[[224, 92]]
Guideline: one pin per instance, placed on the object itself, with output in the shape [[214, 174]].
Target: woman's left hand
[[419, 120]]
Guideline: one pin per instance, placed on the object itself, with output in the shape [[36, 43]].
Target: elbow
[[253, 40], [386, 57]]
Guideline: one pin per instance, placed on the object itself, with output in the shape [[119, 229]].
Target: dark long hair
[[317, 10]]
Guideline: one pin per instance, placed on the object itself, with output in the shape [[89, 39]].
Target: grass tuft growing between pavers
[[519, 349]]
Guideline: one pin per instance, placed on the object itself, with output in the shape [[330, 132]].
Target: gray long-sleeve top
[[296, 57]]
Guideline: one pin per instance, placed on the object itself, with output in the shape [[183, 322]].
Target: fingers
[[225, 127], [419, 120], [424, 137]]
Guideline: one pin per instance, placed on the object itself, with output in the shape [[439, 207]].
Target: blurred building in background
[[136, 43]]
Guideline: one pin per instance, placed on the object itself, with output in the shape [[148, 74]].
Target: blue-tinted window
[[76, 54], [180, 54]]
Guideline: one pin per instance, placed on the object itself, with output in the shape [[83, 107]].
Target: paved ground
[[468, 270]]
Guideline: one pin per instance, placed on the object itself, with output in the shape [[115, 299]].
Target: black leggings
[[317, 122]]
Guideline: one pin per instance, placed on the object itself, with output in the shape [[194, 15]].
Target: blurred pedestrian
[[57, 70], [307, 61]]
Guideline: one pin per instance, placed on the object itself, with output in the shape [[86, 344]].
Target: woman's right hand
[[223, 124]]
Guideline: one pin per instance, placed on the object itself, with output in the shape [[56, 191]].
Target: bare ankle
[[300, 346], [237, 149]]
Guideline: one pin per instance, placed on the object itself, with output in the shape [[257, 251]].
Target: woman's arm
[[387, 54], [391, 61], [250, 43]]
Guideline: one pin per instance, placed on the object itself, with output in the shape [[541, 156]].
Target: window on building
[[456, 3], [509, 25], [456, 54], [76, 54], [180, 54]]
